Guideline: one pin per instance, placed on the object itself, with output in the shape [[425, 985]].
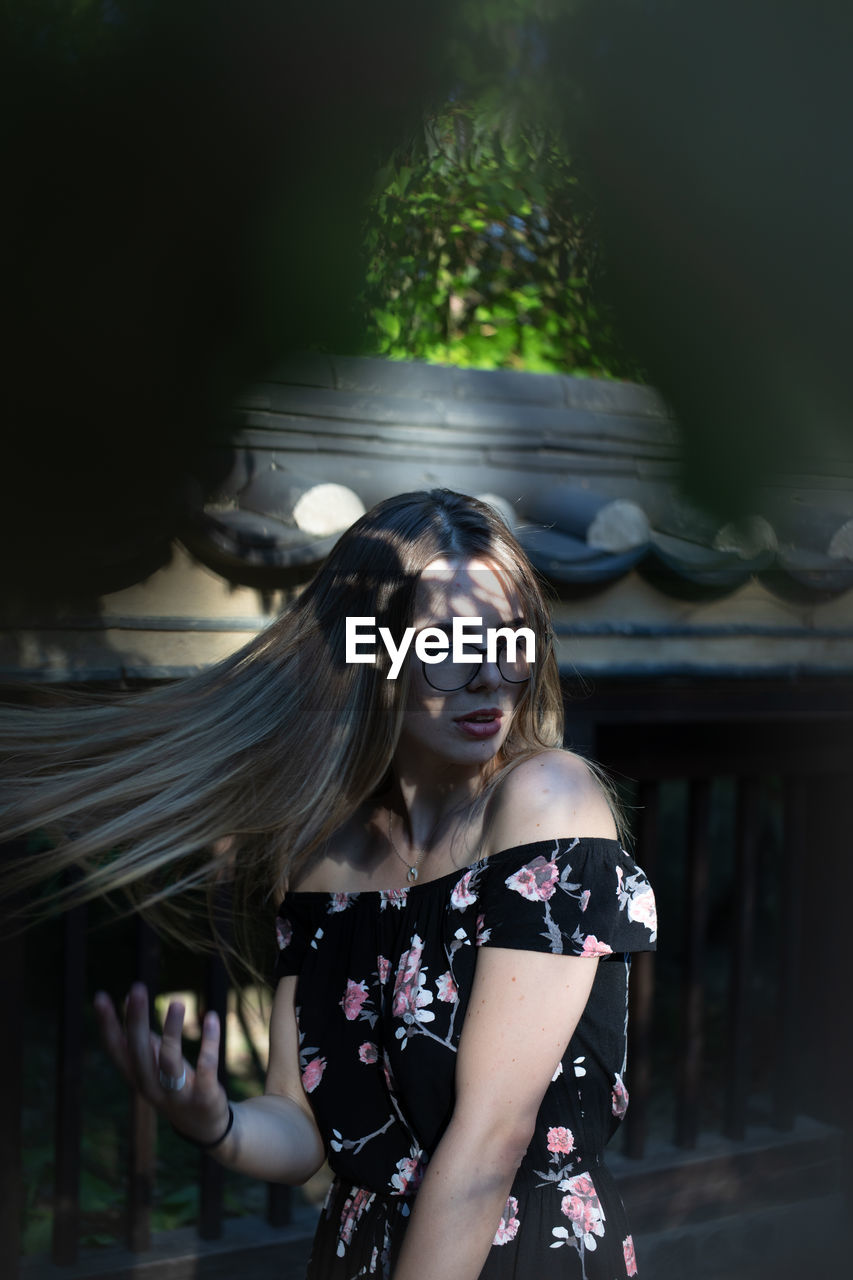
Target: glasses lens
[[447, 676], [514, 670]]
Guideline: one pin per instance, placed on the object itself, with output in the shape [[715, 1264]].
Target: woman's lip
[[480, 728]]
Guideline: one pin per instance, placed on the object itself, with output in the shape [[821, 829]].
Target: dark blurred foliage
[[182, 206], [184, 203], [715, 139]]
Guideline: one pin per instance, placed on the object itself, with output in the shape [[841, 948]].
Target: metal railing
[[683, 1078]]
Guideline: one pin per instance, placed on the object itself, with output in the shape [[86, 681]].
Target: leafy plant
[[482, 252]]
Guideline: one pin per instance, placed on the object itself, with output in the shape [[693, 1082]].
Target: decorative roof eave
[[585, 471]]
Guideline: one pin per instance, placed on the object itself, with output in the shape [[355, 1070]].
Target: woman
[[450, 1010]]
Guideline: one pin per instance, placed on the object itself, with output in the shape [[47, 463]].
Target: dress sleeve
[[292, 938], [578, 897]]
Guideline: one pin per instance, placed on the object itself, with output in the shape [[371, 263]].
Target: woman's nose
[[487, 676]]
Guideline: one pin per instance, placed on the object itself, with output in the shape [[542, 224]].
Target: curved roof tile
[[586, 471]]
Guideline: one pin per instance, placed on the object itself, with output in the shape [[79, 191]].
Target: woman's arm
[[523, 1010], [273, 1137]]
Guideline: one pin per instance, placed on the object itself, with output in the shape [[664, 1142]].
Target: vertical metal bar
[[142, 1147], [279, 1204], [834, 818], [69, 1084], [642, 986], [789, 944], [12, 965], [746, 858], [692, 1044], [212, 1174]]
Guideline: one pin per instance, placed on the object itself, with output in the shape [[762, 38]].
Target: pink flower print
[[592, 947], [383, 968], [356, 994], [409, 966], [618, 1097], [584, 900], [447, 990], [338, 902], [642, 910], [313, 1074], [628, 1252], [353, 1209], [408, 1175], [583, 1209], [410, 992], [483, 934], [283, 933], [561, 1140], [368, 1053], [392, 898], [462, 897], [509, 1224], [537, 881], [572, 1207], [582, 1185], [591, 1218]]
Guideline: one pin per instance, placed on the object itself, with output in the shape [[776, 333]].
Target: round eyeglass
[[447, 676]]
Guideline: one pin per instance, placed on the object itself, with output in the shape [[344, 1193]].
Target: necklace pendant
[[412, 874]]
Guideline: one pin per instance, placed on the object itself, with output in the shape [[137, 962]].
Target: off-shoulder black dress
[[384, 979]]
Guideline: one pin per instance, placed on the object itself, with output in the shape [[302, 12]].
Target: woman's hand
[[273, 1137], [199, 1109]]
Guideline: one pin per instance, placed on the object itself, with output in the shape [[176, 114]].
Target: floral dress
[[384, 979]]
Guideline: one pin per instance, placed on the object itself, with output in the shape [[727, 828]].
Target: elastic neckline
[[456, 874]]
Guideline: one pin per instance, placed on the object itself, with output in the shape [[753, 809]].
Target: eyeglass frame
[[476, 666]]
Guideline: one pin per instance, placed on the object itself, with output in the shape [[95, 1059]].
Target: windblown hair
[[239, 775]]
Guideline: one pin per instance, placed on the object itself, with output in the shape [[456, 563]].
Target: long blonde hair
[[240, 774]]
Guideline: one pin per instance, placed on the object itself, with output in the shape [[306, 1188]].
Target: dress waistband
[[342, 1188]]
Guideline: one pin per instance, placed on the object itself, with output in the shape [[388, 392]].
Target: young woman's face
[[467, 725]]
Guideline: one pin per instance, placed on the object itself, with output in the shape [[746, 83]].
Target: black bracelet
[[208, 1146]]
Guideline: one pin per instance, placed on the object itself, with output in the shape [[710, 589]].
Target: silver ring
[[173, 1083]]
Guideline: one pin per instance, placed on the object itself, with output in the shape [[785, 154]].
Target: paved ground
[[807, 1240]]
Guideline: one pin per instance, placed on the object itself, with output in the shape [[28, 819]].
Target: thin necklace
[[412, 867]]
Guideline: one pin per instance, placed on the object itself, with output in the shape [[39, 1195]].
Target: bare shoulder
[[547, 796]]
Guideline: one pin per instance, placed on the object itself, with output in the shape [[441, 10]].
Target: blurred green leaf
[[389, 323], [181, 1197], [37, 1232], [96, 1194], [481, 252]]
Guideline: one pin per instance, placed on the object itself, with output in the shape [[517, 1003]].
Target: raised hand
[[192, 1099]]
